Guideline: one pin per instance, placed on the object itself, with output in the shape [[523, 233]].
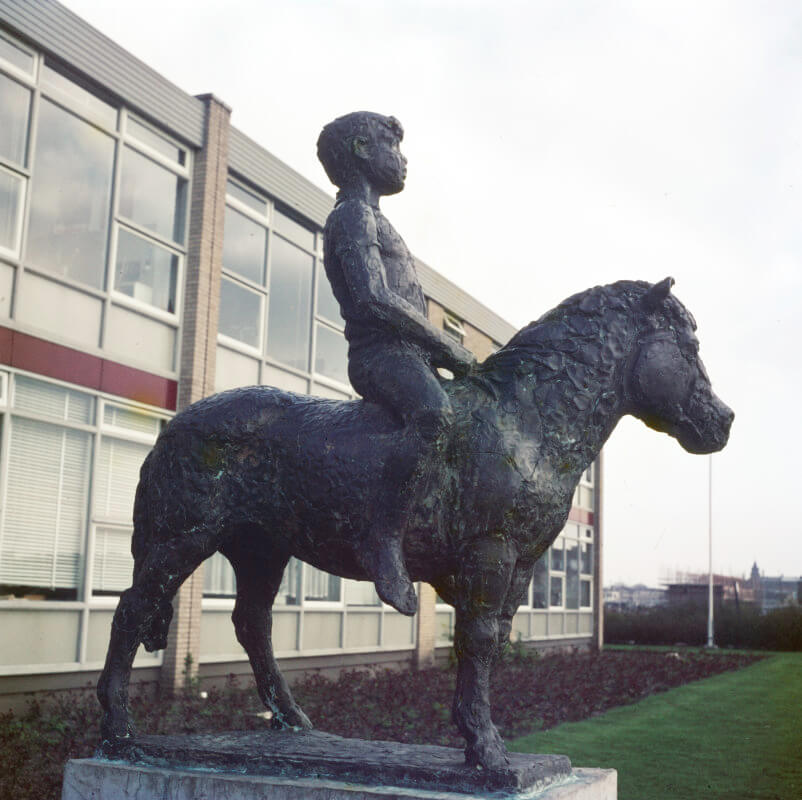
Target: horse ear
[[655, 297]]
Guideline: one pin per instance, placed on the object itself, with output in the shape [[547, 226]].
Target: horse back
[[262, 460]]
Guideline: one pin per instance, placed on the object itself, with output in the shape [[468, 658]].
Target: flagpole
[[710, 552]]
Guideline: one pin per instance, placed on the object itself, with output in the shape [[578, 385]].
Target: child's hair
[[335, 141]]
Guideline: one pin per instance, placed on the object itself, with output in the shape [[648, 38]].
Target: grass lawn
[[735, 735]]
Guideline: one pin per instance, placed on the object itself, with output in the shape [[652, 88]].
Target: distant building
[[681, 594], [776, 592], [764, 592], [620, 597]]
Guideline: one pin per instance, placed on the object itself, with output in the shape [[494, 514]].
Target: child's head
[[345, 146]]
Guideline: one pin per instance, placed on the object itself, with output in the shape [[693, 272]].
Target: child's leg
[[398, 378]]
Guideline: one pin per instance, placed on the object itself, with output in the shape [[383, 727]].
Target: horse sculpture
[[262, 475]]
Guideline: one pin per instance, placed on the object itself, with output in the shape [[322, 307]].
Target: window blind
[[45, 515], [113, 562], [119, 462]]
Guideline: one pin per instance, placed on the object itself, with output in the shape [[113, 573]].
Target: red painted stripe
[[6, 337], [55, 361], [67, 364], [144, 387], [581, 516]]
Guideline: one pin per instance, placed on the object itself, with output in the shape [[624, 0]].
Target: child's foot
[[397, 590], [384, 562]]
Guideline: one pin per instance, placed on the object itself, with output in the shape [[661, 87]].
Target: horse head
[[666, 385]]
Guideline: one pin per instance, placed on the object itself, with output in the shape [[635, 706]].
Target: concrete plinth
[[99, 779]]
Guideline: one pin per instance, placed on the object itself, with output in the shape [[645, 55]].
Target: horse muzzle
[[705, 428]]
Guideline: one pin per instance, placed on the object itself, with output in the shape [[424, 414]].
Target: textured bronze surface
[[312, 754]]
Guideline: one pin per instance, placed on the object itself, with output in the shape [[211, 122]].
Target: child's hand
[[463, 361]]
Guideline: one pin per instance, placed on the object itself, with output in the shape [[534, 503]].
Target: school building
[[152, 254]]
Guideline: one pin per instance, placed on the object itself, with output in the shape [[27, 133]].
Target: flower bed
[[528, 694]]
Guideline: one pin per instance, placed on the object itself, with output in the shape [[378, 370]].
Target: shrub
[[529, 693], [744, 627]]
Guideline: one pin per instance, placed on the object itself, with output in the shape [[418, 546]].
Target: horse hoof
[[490, 756], [297, 719], [291, 718], [113, 728]]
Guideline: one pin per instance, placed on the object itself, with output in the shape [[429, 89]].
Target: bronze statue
[[262, 475]]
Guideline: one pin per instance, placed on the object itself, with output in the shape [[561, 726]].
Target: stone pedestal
[[312, 765], [95, 779]]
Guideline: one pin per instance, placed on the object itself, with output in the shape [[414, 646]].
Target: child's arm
[[357, 249]]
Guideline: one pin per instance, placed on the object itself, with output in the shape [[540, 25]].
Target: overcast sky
[[554, 146]]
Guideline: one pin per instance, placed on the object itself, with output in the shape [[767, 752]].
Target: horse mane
[[568, 355]]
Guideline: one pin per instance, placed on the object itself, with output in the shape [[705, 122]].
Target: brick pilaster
[[199, 346], [426, 626]]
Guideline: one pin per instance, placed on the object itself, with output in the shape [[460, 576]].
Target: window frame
[[97, 429], [7, 66], [107, 293], [453, 326], [260, 355], [13, 253]]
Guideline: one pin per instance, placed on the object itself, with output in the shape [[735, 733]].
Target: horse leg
[[258, 581], [143, 615], [483, 584], [516, 594]]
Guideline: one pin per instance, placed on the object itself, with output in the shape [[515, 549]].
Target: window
[[244, 246], [16, 55], [280, 323], [319, 585], [72, 462], [152, 196], [70, 196], [453, 327], [557, 577], [106, 201], [240, 313], [45, 510], [361, 593], [571, 574], [11, 204], [586, 571], [218, 577], [15, 107], [145, 271], [540, 583], [290, 311]]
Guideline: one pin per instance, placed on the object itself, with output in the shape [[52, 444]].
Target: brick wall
[[199, 347]]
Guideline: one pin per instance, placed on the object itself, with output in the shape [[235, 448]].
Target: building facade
[[151, 254]]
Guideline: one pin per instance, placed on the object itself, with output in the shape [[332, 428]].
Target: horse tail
[[154, 635]]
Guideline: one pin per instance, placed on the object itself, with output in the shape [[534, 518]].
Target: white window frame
[[147, 309], [97, 429], [236, 344], [14, 252], [260, 355], [556, 573], [12, 69], [453, 326], [319, 604], [107, 292]]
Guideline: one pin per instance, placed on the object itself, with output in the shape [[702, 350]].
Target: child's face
[[387, 167]]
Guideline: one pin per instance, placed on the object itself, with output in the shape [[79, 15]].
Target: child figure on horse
[[393, 349]]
